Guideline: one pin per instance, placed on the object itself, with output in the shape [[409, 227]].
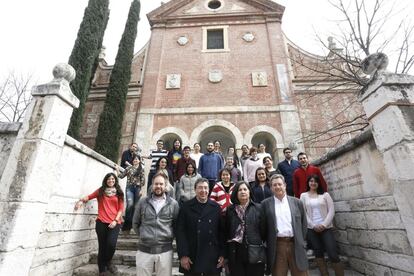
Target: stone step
[[92, 270], [123, 270], [131, 243], [127, 258], [127, 244]]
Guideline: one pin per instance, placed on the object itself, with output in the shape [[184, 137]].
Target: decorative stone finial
[[373, 63], [64, 71]]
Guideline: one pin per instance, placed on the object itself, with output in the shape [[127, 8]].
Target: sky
[[36, 35]]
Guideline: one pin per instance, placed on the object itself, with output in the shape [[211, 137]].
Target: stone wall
[[67, 237], [8, 133], [44, 173], [371, 180], [369, 229]]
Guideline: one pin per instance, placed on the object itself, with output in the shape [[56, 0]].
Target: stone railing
[[371, 180], [45, 174]]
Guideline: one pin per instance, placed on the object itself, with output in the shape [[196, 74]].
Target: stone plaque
[[248, 37], [173, 81], [182, 40], [215, 76], [259, 78]]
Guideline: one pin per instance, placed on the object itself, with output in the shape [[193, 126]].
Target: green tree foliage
[[110, 122], [84, 54]]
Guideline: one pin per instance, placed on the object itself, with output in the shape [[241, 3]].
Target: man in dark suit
[[200, 234], [285, 225], [287, 167]]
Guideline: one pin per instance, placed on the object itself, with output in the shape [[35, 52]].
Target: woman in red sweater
[[110, 207]]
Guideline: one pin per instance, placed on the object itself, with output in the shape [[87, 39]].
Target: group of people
[[227, 213]]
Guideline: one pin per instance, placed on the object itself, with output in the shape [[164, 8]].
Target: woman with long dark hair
[[261, 188], [162, 167], [135, 181], [243, 233], [108, 223], [173, 156], [320, 212]]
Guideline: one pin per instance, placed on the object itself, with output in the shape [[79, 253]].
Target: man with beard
[[301, 174], [210, 164], [154, 220]]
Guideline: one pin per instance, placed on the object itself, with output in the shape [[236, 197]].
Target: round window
[[214, 5]]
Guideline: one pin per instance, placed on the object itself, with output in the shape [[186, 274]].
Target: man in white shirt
[[285, 225]]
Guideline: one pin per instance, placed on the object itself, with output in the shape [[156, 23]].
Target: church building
[[222, 70]]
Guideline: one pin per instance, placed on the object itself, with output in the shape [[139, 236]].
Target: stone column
[[30, 174], [389, 105]]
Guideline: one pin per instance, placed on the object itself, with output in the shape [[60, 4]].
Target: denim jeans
[[132, 197], [323, 241]]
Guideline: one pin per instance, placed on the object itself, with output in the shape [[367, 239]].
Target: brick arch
[[262, 128], [174, 130], [197, 132]]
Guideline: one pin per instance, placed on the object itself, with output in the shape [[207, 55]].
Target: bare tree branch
[[14, 96], [362, 26]]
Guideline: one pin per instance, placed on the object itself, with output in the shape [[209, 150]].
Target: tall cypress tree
[[110, 123], [84, 53]]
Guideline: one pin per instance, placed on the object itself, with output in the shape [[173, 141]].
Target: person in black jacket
[[200, 234], [242, 230], [128, 155]]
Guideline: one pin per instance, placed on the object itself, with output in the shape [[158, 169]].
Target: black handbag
[[256, 253]]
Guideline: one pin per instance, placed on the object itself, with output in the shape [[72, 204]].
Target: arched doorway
[[270, 143], [214, 133]]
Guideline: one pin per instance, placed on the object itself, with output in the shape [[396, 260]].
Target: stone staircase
[[124, 259]]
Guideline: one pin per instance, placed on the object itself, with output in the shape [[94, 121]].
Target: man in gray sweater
[[154, 222]]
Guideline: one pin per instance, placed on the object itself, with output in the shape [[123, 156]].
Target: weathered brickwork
[[282, 104]]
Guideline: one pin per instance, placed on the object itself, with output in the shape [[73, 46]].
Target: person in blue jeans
[[135, 181]]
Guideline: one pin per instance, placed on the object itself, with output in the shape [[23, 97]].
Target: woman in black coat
[[242, 230]]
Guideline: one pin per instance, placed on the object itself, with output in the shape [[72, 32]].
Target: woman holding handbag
[[245, 249]]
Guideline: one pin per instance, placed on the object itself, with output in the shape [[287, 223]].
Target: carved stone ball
[[64, 71], [373, 63]]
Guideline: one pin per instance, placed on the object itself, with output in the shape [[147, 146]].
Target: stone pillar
[[29, 175], [389, 105]]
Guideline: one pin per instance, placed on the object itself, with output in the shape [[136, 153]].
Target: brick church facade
[[221, 69]]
